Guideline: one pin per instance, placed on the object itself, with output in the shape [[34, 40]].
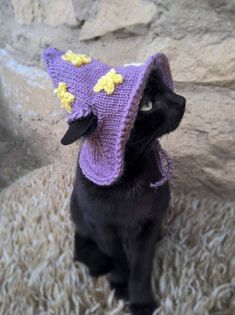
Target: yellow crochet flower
[[108, 81], [65, 97], [76, 59]]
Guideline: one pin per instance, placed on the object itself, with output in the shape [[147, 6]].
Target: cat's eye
[[146, 106]]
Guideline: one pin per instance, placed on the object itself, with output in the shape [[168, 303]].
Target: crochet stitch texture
[[102, 153]]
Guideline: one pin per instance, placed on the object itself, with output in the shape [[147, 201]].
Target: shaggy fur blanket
[[194, 267]]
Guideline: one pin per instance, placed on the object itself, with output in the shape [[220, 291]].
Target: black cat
[[117, 226]]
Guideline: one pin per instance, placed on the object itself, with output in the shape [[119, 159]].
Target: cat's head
[[160, 112]]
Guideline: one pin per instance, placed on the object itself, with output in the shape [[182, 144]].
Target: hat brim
[[113, 172], [158, 61]]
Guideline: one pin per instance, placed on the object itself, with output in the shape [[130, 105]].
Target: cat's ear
[[79, 128]]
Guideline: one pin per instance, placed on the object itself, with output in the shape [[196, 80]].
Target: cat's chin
[[172, 126]]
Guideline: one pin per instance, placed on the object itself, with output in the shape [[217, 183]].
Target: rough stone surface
[[16, 159], [203, 62], [223, 6], [31, 110], [50, 12], [199, 38], [203, 145], [117, 14]]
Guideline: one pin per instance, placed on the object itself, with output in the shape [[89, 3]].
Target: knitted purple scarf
[[85, 85]]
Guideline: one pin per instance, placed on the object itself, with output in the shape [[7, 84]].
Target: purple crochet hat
[[113, 94]]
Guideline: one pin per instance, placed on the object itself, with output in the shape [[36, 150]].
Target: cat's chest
[[138, 202]]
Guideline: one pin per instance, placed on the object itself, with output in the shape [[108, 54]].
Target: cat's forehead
[[155, 75]]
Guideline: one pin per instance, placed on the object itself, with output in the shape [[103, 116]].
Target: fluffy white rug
[[194, 267]]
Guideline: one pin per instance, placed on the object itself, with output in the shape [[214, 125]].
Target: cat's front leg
[[87, 252], [141, 260]]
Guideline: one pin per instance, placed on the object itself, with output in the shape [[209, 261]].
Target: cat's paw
[[121, 290], [143, 309]]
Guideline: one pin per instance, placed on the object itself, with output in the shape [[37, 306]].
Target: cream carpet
[[194, 269]]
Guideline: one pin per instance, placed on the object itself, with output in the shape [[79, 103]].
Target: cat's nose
[[176, 99], [181, 101]]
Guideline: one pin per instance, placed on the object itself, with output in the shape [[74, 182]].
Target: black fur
[[117, 227], [79, 128]]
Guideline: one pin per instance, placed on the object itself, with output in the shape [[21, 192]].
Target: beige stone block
[[117, 14], [50, 12], [203, 146], [31, 110], [209, 61]]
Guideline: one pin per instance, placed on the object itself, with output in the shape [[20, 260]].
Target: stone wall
[[199, 38]]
